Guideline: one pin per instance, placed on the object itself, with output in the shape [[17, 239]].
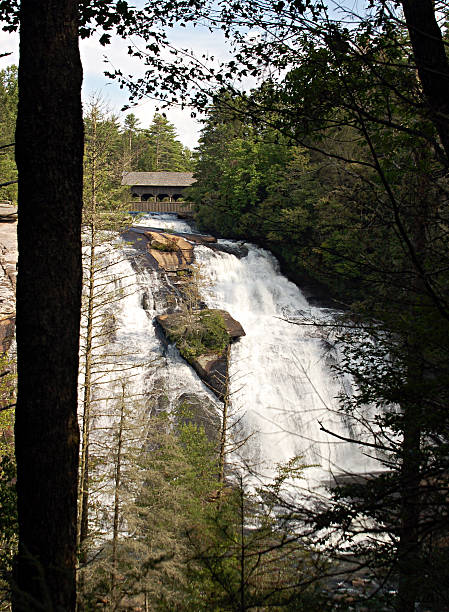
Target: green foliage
[[205, 333], [8, 523], [189, 543], [8, 115], [7, 398], [169, 246], [8, 501], [161, 150], [174, 474], [104, 197], [367, 217], [248, 556], [236, 167]]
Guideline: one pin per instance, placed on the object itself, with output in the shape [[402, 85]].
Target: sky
[[93, 56]]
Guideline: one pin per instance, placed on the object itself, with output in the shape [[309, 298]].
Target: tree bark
[[117, 486], [49, 155], [412, 496], [431, 62], [83, 517]]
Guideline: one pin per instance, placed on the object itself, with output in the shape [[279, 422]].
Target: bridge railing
[[162, 207]]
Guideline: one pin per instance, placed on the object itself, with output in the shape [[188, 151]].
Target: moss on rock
[[205, 333]]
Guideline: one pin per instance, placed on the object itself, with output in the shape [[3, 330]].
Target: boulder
[[211, 366], [169, 322], [233, 327]]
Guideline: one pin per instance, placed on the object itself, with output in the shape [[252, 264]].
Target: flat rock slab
[[178, 254], [197, 238]]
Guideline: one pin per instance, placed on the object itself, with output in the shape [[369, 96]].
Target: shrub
[[206, 334], [168, 247]]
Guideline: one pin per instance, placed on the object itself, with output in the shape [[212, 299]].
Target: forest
[[336, 161]]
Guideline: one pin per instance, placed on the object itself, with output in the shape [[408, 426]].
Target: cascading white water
[[281, 372], [282, 383]]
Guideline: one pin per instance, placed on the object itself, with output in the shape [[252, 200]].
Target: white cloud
[[9, 43], [93, 57]]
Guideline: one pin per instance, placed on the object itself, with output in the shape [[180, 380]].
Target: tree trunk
[[224, 424], [242, 549], [83, 517], [117, 485], [49, 154], [409, 547], [431, 62]]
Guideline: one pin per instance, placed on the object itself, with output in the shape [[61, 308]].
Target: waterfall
[[282, 382], [281, 379]]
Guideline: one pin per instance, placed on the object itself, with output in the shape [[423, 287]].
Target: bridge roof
[[158, 179]]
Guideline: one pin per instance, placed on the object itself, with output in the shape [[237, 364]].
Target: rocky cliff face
[[8, 262]]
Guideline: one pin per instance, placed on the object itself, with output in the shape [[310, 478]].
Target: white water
[[282, 383]]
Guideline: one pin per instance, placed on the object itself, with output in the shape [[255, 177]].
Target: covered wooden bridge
[[158, 186], [159, 191]]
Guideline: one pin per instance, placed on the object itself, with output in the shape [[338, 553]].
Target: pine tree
[[133, 142], [164, 152], [99, 199]]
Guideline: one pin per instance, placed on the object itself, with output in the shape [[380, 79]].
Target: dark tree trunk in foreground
[[49, 159], [431, 62]]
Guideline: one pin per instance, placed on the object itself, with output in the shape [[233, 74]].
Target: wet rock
[[233, 248], [212, 369], [157, 401], [200, 238], [146, 301], [202, 411]]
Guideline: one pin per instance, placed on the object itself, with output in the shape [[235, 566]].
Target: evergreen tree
[[134, 142], [164, 152], [102, 212]]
